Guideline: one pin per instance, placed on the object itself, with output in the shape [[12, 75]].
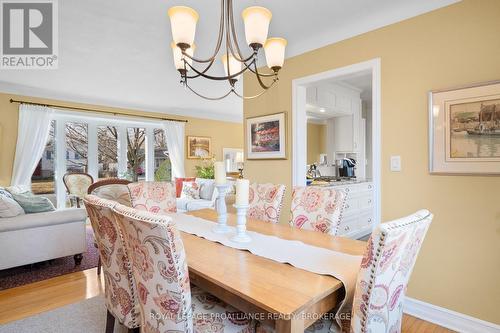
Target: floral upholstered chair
[[113, 189], [77, 185], [385, 270], [119, 285], [167, 301], [265, 202], [317, 208], [154, 197]]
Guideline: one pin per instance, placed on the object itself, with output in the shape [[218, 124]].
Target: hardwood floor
[[31, 299]]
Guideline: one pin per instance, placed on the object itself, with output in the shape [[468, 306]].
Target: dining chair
[[167, 301], [77, 184], [265, 201], [114, 189], [154, 197], [386, 267], [119, 286], [317, 208]]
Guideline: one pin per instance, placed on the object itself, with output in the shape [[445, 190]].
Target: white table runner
[[342, 266]]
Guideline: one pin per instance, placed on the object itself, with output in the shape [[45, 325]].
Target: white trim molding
[[447, 318]]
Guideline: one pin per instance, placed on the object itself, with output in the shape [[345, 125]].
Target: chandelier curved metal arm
[[256, 20], [257, 95], [207, 97], [217, 78], [232, 90]]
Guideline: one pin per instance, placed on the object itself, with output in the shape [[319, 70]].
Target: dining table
[[288, 298]]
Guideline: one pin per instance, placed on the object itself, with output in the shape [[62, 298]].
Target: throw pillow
[[190, 190], [19, 189], [33, 204], [178, 185], [4, 192], [207, 190], [8, 206]]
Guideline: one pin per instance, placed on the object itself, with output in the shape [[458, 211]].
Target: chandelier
[[256, 20]]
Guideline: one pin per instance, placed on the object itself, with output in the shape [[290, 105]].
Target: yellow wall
[[223, 134], [316, 136], [459, 265]]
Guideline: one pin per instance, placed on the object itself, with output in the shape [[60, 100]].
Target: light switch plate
[[395, 163]]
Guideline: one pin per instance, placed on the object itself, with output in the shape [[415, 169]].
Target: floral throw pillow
[[190, 190]]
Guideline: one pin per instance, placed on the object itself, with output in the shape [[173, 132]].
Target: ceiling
[[117, 52]]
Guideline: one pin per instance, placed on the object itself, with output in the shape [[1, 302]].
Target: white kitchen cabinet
[[358, 216], [347, 132], [356, 124], [312, 96], [337, 100]]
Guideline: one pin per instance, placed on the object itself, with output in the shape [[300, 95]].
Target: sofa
[[31, 238], [208, 195], [117, 190]]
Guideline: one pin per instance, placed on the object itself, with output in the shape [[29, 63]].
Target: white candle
[[242, 188], [219, 173]]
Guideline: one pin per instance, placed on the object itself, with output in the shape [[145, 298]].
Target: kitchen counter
[[339, 182]]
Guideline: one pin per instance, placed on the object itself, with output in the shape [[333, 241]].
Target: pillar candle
[[242, 188], [219, 173]]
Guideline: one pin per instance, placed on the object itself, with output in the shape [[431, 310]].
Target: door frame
[[299, 131]]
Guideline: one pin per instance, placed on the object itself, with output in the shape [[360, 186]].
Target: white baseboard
[[447, 318]]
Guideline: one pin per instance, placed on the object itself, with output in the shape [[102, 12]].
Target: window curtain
[[174, 134], [32, 134]]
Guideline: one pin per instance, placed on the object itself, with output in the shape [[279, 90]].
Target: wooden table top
[[267, 284]]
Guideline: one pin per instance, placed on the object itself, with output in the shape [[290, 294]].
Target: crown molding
[[28, 91]]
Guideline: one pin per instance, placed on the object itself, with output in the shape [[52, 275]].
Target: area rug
[[88, 316], [18, 276]]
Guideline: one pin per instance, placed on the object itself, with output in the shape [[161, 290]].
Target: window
[[103, 147], [136, 153], [76, 147], [42, 180], [162, 166], [107, 149]]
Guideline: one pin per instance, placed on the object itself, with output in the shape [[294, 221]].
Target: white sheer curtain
[[32, 134], [174, 133]]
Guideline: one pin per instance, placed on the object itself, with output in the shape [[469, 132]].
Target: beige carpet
[[88, 316]]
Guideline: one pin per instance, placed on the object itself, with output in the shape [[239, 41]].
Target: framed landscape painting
[[465, 130], [198, 147], [266, 137]]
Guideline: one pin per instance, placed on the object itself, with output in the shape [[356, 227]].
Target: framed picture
[[199, 147], [266, 137], [465, 130]]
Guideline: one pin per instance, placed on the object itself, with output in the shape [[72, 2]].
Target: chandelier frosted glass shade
[[256, 20], [275, 52], [235, 61], [183, 23], [234, 66], [178, 56]]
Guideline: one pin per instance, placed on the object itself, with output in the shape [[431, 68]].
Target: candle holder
[[241, 228], [220, 206]]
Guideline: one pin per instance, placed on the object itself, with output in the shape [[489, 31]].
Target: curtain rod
[[94, 110]]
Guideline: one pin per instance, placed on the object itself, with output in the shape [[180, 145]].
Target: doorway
[[301, 111]]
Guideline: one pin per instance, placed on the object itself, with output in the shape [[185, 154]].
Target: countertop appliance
[[346, 168]]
